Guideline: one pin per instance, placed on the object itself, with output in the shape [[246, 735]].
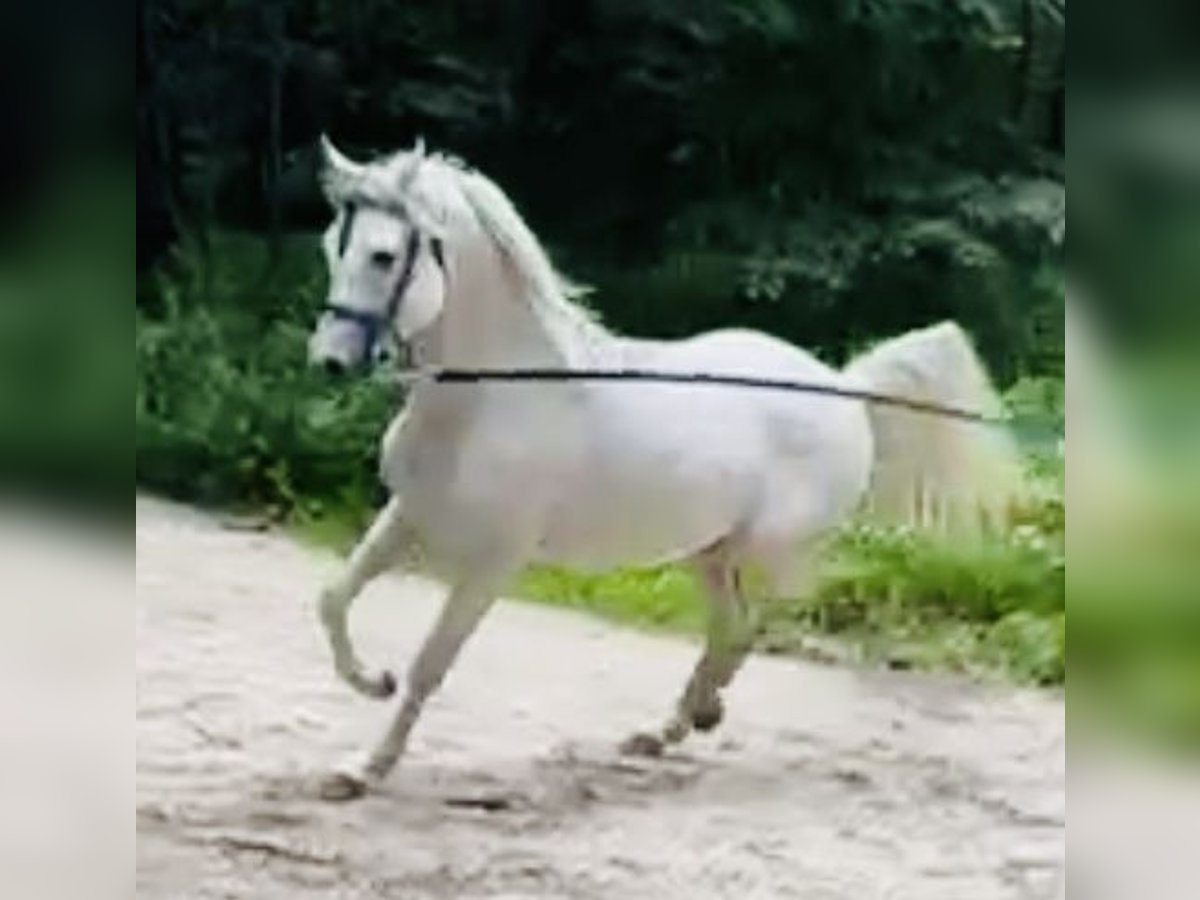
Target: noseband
[[374, 325]]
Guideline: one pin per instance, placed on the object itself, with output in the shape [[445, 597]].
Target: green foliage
[[982, 580], [1037, 396], [1037, 407], [228, 412], [971, 604]]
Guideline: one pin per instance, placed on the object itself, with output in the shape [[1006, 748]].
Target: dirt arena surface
[[822, 782]]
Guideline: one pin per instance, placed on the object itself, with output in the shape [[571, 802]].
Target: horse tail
[[934, 471]]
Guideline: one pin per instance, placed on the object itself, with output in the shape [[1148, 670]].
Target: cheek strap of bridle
[[375, 324]]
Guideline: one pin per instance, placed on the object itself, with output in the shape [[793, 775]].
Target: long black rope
[[475, 376]]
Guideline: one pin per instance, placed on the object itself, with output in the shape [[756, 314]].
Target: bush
[[227, 411], [993, 604]]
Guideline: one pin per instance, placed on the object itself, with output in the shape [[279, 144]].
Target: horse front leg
[[385, 542], [462, 611]]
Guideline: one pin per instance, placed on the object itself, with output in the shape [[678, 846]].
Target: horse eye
[[381, 259]]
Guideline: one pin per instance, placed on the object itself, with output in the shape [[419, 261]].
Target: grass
[[987, 607], [664, 597]]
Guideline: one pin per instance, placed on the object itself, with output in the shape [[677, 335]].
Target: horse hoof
[[643, 744], [708, 717], [340, 787], [379, 688], [386, 685]]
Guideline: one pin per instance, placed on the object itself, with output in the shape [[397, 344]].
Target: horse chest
[[473, 491]]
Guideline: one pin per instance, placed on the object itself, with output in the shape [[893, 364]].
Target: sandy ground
[[822, 783]]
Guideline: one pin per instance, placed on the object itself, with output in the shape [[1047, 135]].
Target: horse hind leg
[[781, 549], [730, 635]]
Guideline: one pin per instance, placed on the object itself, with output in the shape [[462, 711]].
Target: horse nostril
[[334, 367]]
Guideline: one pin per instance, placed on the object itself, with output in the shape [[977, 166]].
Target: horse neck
[[488, 323]]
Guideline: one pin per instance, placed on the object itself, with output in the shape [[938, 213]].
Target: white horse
[[490, 476]]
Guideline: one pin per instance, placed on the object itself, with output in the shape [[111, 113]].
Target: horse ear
[[337, 169], [333, 158], [412, 165]]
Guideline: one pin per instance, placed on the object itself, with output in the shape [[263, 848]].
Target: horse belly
[[613, 524], [661, 488]]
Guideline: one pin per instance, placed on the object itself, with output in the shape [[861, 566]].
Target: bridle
[[373, 324]]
